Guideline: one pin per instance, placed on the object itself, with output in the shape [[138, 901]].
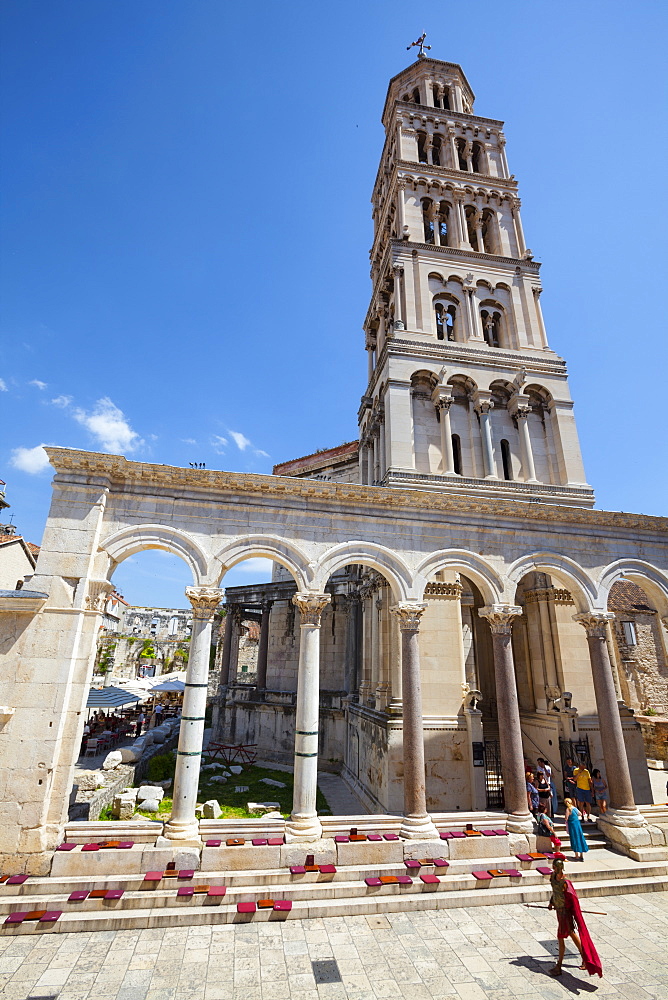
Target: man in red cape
[[565, 901]]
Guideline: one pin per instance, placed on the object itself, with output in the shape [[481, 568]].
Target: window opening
[[416, 95], [422, 147], [630, 635], [428, 222], [457, 453], [505, 457]]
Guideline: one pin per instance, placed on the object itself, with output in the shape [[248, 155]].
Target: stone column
[[623, 811], [350, 670], [235, 628], [381, 438], [519, 232], [502, 151], [453, 149], [369, 362], [183, 826], [500, 617], [227, 646], [484, 408], [401, 207], [416, 823], [369, 461], [263, 646], [447, 454], [399, 319], [528, 468], [304, 824]]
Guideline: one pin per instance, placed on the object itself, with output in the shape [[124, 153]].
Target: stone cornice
[[471, 256], [465, 178], [71, 465], [445, 350]]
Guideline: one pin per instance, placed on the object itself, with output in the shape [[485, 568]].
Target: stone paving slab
[[490, 953]]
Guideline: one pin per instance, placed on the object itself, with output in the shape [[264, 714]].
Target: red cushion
[[488, 833], [441, 863], [15, 918], [186, 873], [410, 863], [114, 894], [50, 916], [152, 876], [523, 857], [76, 897], [66, 847], [404, 880], [341, 840], [445, 835], [125, 844], [373, 881], [390, 836], [297, 870], [185, 890], [544, 871], [430, 879], [213, 843], [374, 836], [275, 841], [259, 842], [482, 876], [245, 907], [217, 890], [283, 904], [327, 869], [17, 879], [501, 833], [90, 847], [457, 835]]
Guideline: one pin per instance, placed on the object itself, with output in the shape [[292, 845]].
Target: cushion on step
[[488, 833], [200, 888], [441, 863], [3, 878], [482, 876], [124, 845], [235, 842], [35, 914], [213, 843], [98, 893], [544, 871], [374, 837], [259, 842], [390, 836], [283, 904], [217, 890], [78, 896], [51, 916], [114, 894], [356, 838], [246, 907], [17, 879], [550, 856], [90, 847], [537, 856], [523, 857], [275, 841], [312, 868], [513, 873], [411, 863], [186, 873], [373, 881], [327, 869], [404, 880], [430, 879], [341, 840], [265, 904], [297, 869], [185, 890], [501, 833], [170, 873], [152, 876], [473, 833], [445, 835], [458, 835], [388, 879], [66, 847], [15, 918]]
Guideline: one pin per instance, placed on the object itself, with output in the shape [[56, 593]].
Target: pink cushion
[[17, 879], [500, 833], [283, 904], [327, 869], [441, 863], [114, 894], [186, 873], [549, 855], [523, 857], [457, 835], [213, 843], [544, 870], [15, 918], [50, 916], [373, 881], [404, 880], [297, 870], [488, 833], [374, 837], [152, 876], [275, 841], [245, 907], [341, 840], [66, 847], [390, 836], [430, 879], [259, 842], [513, 872], [90, 847], [75, 897], [217, 890], [445, 835], [410, 863], [125, 844], [482, 876], [185, 890]]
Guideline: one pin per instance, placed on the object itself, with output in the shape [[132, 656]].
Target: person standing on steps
[[579, 845], [570, 922], [600, 791], [546, 768], [583, 791]]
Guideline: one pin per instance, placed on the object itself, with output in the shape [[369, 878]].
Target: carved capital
[[397, 270], [205, 601], [98, 594], [522, 411], [409, 614], [444, 403], [500, 617], [595, 623], [402, 183], [311, 606]]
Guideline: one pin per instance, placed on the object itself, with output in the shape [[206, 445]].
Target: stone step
[[439, 897]]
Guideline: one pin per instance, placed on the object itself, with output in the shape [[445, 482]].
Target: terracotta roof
[[318, 458], [32, 551], [627, 596]]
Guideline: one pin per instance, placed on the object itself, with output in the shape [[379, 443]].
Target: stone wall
[[655, 736]]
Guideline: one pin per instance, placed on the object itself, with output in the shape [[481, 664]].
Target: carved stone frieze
[[558, 596], [453, 591], [98, 593]]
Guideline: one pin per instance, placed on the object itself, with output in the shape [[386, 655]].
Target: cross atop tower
[[420, 42]]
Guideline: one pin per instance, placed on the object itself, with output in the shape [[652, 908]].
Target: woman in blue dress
[[579, 845]]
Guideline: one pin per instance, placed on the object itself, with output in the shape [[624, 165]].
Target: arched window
[[491, 326], [445, 321], [422, 147], [427, 220], [437, 151], [443, 222], [471, 215], [416, 95], [461, 156], [477, 158], [489, 231], [457, 453], [505, 458], [445, 101], [436, 96]]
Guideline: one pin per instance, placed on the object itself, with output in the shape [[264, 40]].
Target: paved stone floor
[[494, 952]]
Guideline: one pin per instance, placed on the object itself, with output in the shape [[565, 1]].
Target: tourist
[[569, 780], [583, 790], [546, 768], [600, 786], [544, 792], [571, 924], [141, 719], [533, 800], [579, 845]]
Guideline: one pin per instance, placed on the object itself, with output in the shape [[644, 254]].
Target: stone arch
[[138, 537], [653, 581], [286, 553], [370, 554], [565, 570], [471, 565]]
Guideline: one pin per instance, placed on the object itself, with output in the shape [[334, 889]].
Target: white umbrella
[[169, 686]]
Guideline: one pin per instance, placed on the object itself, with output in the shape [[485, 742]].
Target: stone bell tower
[[464, 393]]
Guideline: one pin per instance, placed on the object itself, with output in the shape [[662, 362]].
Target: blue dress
[[578, 842]]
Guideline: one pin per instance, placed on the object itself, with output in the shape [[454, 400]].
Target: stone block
[[112, 760], [150, 805], [275, 784], [518, 843], [625, 836], [323, 851], [260, 808], [88, 781], [658, 836], [219, 778], [212, 810], [157, 858], [428, 848], [150, 792], [240, 859], [235, 769], [123, 806], [92, 864], [481, 847], [374, 853]]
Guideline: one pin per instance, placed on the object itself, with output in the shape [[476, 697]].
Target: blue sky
[[186, 225]]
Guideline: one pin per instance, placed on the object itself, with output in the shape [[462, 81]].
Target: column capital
[[409, 614], [98, 594], [205, 601], [595, 623], [397, 270], [500, 617], [311, 606], [444, 402]]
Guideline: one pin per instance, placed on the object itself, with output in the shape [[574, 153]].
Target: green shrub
[[161, 767]]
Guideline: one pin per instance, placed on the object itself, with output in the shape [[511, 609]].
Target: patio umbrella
[[110, 697], [169, 686]]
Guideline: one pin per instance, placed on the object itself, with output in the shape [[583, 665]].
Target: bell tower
[[464, 394]]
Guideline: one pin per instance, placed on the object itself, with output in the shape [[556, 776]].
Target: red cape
[[591, 960]]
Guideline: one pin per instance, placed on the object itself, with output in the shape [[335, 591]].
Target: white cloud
[[109, 425], [255, 565], [218, 444], [258, 451], [36, 382], [3, 385], [240, 440], [30, 460], [62, 401], [188, 441]]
